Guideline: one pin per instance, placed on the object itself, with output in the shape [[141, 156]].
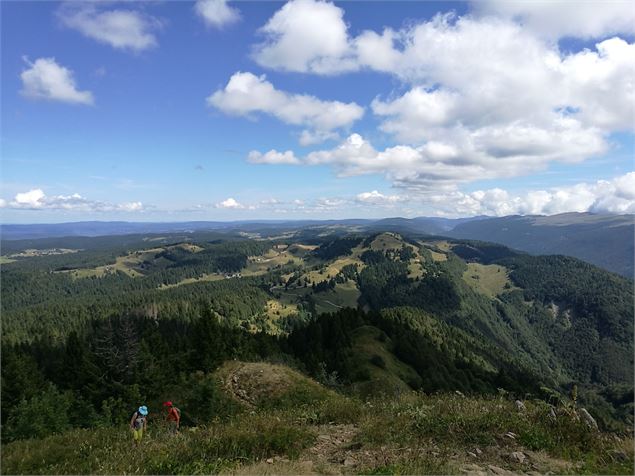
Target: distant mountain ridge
[[600, 239], [426, 225]]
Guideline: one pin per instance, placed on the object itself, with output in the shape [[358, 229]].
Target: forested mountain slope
[[603, 240]]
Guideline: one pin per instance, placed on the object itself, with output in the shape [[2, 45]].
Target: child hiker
[[139, 424]]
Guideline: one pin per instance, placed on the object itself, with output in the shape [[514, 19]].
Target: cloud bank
[[487, 95], [36, 199]]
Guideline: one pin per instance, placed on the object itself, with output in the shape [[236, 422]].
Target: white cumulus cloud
[[273, 157], [306, 35], [230, 203], [246, 94], [216, 13], [46, 79], [377, 198], [119, 28]]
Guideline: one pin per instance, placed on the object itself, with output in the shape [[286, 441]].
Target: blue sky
[[254, 110]]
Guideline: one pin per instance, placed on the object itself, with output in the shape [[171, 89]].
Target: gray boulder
[[588, 419]]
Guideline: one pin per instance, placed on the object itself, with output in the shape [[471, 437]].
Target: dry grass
[[268, 385], [387, 241], [276, 309], [436, 256]]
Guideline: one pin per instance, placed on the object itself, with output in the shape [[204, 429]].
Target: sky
[[214, 110]]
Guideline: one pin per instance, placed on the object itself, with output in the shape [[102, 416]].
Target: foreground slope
[[305, 428]]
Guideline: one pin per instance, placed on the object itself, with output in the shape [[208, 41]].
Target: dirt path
[[333, 304], [332, 452], [232, 385]]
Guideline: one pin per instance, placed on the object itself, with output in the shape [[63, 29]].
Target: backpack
[[138, 421]]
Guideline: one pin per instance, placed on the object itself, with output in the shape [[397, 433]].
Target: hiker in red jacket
[[173, 417]]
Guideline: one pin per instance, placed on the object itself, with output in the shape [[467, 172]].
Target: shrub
[[41, 415], [378, 361]]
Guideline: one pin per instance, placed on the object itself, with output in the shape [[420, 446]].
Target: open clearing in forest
[[125, 264], [331, 269], [202, 279], [487, 279], [131, 263], [277, 309], [344, 295], [259, 265]]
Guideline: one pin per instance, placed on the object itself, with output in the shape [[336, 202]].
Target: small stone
[[349, 461], [269, 460], [619, 455], [478, 451], [473, 455], [520, 406], [518, 457]]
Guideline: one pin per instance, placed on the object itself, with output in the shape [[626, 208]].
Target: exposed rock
[[269, 460], [348, 461], [478, 451], [520, 406], [473, 470], [588, 419], [517, 457], [499, 471]]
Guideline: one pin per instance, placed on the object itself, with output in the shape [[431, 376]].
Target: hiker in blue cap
[[139, 423]]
